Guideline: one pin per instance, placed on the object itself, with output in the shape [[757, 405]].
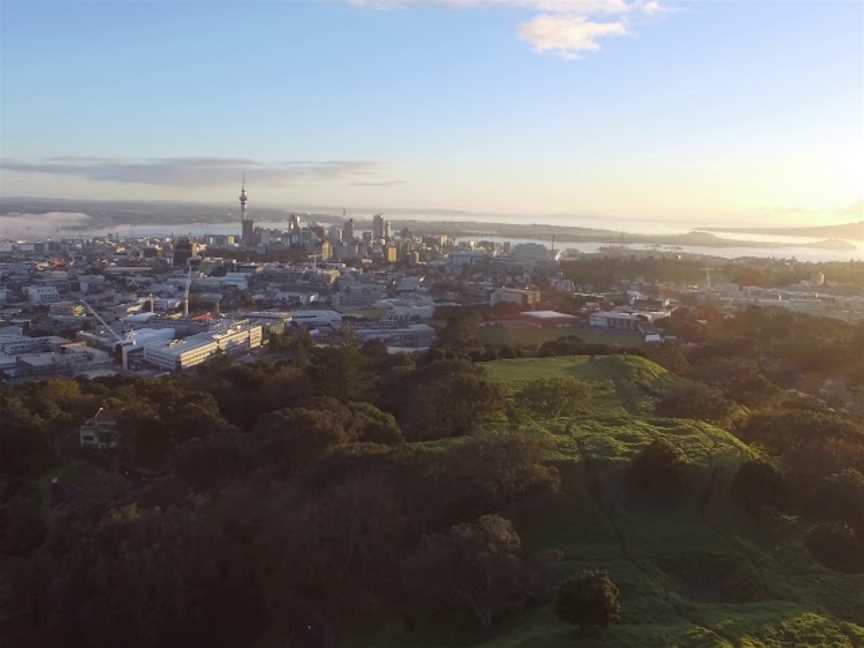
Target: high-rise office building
[[348, 230], [377, 227]]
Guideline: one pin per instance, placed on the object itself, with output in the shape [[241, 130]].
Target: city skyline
[[639, 110]]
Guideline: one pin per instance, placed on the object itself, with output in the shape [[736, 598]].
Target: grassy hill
[[621, 384], [698, 575]]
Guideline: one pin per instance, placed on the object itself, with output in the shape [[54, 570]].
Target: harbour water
[[67, 224]]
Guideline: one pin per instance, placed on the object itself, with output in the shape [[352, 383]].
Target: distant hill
[[849, 231]]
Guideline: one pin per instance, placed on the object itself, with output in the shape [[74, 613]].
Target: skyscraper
[[348, 230], [377, 227]]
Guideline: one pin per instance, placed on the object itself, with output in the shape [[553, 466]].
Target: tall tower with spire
[[248, 225]]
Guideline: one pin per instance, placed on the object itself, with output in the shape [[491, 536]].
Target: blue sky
[[626, 108]]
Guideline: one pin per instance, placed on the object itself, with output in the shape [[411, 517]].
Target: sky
[[712, 111]]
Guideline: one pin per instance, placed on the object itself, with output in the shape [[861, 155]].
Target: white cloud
[[565, 27], [582, 7], [568, 36], [574, 7], [652, 7]]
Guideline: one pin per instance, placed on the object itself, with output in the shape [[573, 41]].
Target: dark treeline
[[241, 500]]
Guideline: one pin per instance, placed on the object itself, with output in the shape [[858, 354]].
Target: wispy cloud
[[199, 171], [374, 183], [567, 28]]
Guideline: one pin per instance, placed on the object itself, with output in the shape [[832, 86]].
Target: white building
[[316, 318], [625, 320], [177, 355]]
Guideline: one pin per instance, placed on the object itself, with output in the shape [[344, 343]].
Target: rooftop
[[548, 314]]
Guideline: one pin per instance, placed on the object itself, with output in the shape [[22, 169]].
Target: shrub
[[476, 567], [554, 397], [837, 546], [758, 485], [656, 473], [590, 601]]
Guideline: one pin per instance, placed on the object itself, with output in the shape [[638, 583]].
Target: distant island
[[848, 231], [106, 214], [567, 234]]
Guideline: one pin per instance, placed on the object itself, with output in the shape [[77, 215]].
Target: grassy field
[[617, 367], [499, 336], [620, 384], [696, 576]]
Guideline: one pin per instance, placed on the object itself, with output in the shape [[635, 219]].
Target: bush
[[554, 397], [656, 473], [758, 485], [837, 546], [476, 567], [840, 498], [590, 601], [694, 401], [371, 425]]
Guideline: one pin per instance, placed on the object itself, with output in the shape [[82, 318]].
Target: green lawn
[[620, 384], [615, 367]]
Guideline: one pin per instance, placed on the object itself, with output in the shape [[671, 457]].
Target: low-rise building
[[549, 319], [626, 320], [176, 355], [524, 297]]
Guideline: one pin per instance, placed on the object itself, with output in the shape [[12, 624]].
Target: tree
[[476, 567], [590, 601], [836, 545], [460, 331], [555, 397], [212, 461], [338, 371], [693, 400], [371, 425], [290, 438], [442, 399], [489, 472], [840, 498], [758, 485], [25, 448], [145, 440], [656, 474]]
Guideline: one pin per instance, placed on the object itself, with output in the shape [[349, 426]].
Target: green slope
[[701, 575]]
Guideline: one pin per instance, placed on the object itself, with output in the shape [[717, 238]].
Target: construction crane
[[124, 351]]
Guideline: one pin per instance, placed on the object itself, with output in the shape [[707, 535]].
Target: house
[[100, 431]]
